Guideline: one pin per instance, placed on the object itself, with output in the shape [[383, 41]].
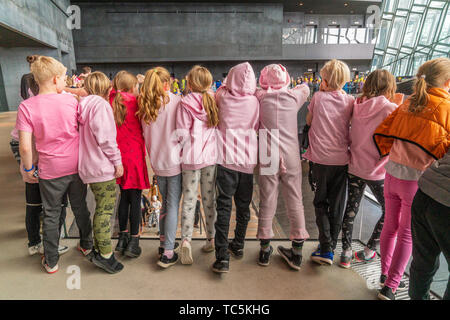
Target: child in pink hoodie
[[329, 116], [278, 121], [157, 110], [238, 121], [365, 166], [99, 164], [197, 119]]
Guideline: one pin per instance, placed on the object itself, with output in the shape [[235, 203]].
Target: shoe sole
[[166, 265], [345, 266], [234, 255], [293, 266], [130, 254], [49, 272], [98, 264], [383, 297], [218, 271], [186, 255], [322, 261], [63, 251], [208, 250]]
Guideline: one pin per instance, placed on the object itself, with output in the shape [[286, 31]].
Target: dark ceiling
[[307, 6]]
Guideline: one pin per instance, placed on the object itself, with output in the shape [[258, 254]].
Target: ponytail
[[120, 111], [210, 106], [419, 99], [152, 94], [123, 81]]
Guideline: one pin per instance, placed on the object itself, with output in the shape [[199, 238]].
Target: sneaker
[[238, 253], [176, 249], [165, 262], [124, 238], [326, 258], [62, 249], [221, 266], [186, 252], [264, 257], [110, 265], [346, 262], [85, 252], [293, 260], [386, 293], [401, 285], [208, 246], [47, 268], [38, 248], [361, 257]]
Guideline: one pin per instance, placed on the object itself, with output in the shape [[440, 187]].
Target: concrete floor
[[22, 277]]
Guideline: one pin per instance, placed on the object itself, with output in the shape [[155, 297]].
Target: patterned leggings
[[356, 188], [207, 179], [105, 199]]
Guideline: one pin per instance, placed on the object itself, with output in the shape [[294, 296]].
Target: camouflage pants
[[105, 199]]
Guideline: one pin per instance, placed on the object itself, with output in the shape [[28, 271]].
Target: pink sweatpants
[[396, 240], [292, 194]]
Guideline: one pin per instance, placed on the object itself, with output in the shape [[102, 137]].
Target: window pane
[[331, 35], [418, 60], [404, 4], [383, 35], [437, 54], [412, 29], [424, 2], [402, 65], [445, 32], [437, 4], [429, 26], [396, 32], [377, 60], [390, 6]]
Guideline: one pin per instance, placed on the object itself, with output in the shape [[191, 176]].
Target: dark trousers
[[329, 202], [130, 209], [52, 194], [33, 212], [430, 225], [232, 184], [356, 188]]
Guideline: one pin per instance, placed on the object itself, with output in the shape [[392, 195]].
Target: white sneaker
[[186, 253], [47, 268], [208, 246], [62, 249], [36, 249]]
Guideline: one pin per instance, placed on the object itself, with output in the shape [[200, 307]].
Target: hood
[[86, 104], [193, 103], [368, 108], [241, 80], [274, 76]]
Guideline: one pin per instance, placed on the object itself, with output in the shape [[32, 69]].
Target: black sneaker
[[264, 257], [133, 250], [176, 248], [293, 260], [401, 285], [124, 238], [110, 265], [238, 253], [221, 266], [165, 262], [386, 294]]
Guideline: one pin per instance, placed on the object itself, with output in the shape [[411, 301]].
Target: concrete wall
[[137, 32], [42, 21]]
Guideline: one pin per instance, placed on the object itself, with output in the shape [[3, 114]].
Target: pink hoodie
[[162, 144], [199, 142], [238, 120], [99, 152], [365, 160], [279, 108]]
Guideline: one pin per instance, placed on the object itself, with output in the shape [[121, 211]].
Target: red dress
[[132, 146]]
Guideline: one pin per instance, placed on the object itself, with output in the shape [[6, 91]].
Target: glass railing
[[312, 35]]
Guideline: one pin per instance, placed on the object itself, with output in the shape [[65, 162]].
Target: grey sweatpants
[[52, 192], [191, 178]]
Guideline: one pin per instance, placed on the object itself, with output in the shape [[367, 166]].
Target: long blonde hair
[[152, 95], [199, 79], [123, 81], [379, 83], [431, 74], [97, 83]]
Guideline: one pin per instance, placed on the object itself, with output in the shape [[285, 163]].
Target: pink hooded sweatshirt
[[161, 142], [199, 142], [98, 151], [238, 120], [279, 108], [365, 160]]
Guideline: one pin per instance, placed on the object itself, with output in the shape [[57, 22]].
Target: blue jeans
[[170, 188]]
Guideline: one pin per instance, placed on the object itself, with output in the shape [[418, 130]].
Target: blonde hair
[[431, 74], [123, 81], [44, 68], [336, 73], [97, 83], [199, 79], [379, 83], [152, 95]]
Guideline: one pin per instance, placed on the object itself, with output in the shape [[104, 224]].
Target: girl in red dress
[[132, 147]]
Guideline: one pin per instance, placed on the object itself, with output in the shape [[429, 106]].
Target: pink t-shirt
[[329, 133], [52, 118]]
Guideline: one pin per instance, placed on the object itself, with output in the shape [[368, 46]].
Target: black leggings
[[130, 208]]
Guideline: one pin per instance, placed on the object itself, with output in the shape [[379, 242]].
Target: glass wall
[[412, 32]]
